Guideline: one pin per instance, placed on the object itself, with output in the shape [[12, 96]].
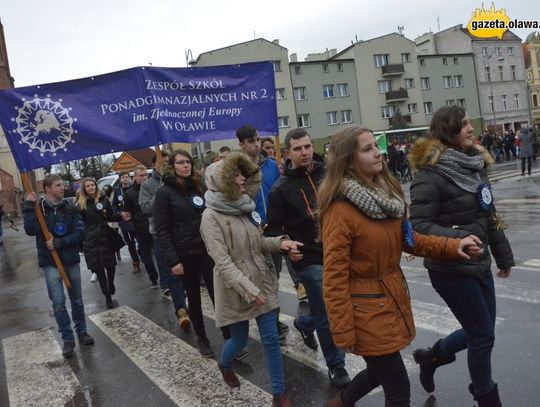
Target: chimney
[[294, 57], [276, 41]]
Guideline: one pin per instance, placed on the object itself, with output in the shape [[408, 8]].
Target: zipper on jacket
[[228, 222], [306, 200]]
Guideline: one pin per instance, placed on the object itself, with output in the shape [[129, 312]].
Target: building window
[[447, 81], [332, 118], [405, 57], [277, 66], [346, 116], [328, 91], [303, 120], [280, 93], [500, 72], [503, 101], [490, 104], [343, 89], [445, 61], [428, 107], [484, 51], [450, 102], [422, 62], [340, 67], [384, 86], [488, 74], [513, 72], [497, 50], [456, 61], [299, 93], [298, 70], [458, 81], [516, 100], [510, 50], [535, 100], [425, 83], [461, 103], [283, 121], [387, 112], [325, 68], [380, 60], [412, 108], [409, 83]]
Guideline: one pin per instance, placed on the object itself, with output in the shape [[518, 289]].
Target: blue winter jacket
[[269, 175], [67, 244]]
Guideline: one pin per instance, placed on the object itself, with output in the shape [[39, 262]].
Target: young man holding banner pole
[[67, 227]]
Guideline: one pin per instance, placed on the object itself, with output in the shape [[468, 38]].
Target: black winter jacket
[[292, 208], [176, 221], [66, 245], [440, 207], [98, 247], [131, 205]]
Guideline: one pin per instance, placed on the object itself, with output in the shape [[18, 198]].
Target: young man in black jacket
[[292, 210], [67, 229]]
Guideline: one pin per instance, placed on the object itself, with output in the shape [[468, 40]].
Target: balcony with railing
[[397, 95], [406, 118], [393, 70]]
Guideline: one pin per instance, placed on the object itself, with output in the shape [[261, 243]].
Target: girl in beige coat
[[245, 287]]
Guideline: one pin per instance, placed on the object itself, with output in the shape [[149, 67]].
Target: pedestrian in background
[[364, 229], [246, 287], [451, 196], [526, 149]]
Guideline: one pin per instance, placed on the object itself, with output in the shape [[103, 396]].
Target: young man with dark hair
[[126, 227], [267, 145], [223, 152], [67, 229], [292, 211], [141, 224]]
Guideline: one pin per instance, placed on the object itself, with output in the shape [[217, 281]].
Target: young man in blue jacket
[[67, 229]]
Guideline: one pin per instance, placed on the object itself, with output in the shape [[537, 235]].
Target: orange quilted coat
[[366, 295]]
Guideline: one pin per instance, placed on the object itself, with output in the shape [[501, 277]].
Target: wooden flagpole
[[41, 220], [277, 150]]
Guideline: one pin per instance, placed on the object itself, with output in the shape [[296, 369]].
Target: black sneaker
[[67, 350], [338, 377], [204, 348], [166, 293], [85, 339], [283, 327], [308, 338]]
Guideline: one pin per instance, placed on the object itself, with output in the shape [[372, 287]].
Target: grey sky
[[56, 40]]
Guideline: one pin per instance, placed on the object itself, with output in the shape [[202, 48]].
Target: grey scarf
[[374, 203], [217, 201], [462, 169]]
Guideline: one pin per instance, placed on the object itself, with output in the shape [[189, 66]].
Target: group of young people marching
[[343, 223]]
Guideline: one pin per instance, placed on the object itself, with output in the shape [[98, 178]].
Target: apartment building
[[532, 64]]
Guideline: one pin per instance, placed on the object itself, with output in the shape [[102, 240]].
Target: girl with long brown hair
[[364, 229]]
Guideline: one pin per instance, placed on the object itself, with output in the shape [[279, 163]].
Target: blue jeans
[[269, 338], [472, 301], [55, 288], [169, 280], [317, 320]]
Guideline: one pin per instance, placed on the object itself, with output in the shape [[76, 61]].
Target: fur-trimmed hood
[[426, 152], [220, 176]]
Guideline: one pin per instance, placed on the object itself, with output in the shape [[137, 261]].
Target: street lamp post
[[488, 57]]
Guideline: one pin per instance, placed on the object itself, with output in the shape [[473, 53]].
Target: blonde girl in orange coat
[[364, 230]]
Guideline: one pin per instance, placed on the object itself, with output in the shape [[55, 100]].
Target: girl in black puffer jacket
[[451, 196], [98, 248], [178, 207]]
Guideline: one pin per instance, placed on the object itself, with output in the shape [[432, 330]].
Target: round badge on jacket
[[99, 206], [60, 229], [120, 198], [485, 197], [197, 202], [255, 218]]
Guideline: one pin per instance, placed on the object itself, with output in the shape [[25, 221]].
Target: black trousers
[[129, 238], [387, 371], [106, 279], [146, 246], [195, 267], [529, 165]]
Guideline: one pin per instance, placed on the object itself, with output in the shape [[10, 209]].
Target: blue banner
[[135, 108]]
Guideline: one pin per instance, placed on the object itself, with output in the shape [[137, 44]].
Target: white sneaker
[[93, 279]]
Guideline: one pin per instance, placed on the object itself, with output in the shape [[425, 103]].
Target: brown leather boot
[[335, 402], [281, 400], [229, 376]]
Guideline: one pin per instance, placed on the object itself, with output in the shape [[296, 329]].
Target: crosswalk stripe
[[532, 262], [37, 374], [174, 366]]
